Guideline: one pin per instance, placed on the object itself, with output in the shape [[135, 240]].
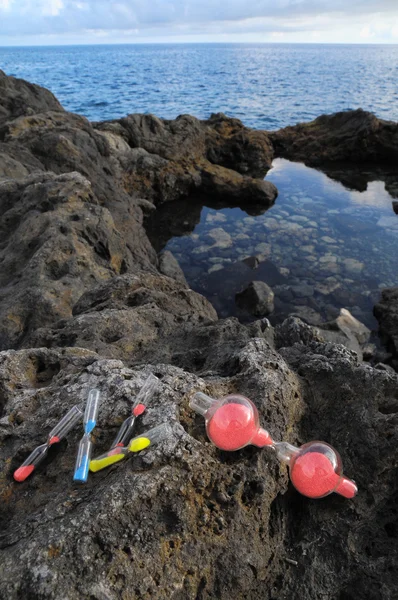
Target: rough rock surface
[[164, 160], [19, 97], [83, 304], [386, 312], [352, 137], [168, 265]]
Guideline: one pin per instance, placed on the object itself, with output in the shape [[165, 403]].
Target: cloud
[[5, 4], [196, 18], [53, 8]]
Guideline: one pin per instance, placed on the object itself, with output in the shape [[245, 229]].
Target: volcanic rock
[[354, 136], [19, 97], [386, 312], [169, 266], [83, 304]]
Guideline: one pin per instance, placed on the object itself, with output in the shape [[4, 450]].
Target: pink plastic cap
[[138, 410]]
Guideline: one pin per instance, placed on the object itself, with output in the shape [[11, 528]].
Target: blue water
[[322, 246], [266, 86]]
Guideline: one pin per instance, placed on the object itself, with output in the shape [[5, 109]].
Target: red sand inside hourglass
[[233, 426], [313, 475]]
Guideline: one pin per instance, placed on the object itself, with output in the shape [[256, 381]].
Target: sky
[[51, 22]]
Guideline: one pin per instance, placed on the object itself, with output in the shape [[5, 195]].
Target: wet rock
[[168, 265], [214, 268], [228, 184], [395, 206], [369, 351], [388, 222], [308, 315], [257, 299], [251, 261], [353, 266], [218, 238], [303, 290]]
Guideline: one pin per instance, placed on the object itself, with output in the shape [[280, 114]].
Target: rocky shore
[[86, 301]]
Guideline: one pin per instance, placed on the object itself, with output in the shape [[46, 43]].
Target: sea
[[327, 243]]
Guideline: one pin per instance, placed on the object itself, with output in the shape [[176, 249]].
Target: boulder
[[235, 188], [349, 326], [257, 299]]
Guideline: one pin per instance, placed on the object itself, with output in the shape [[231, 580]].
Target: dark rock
[[251, 261], [79, 279], [303, 290], [237, 188], [257, 299], [395, 206], [57, 242], [19, 97], [168, 265], [131, 317], [182, 156], [386, 312], [369, 351], [358, 402], [344, 337], [95, 528], [232, 145], [308, 315], [294, 331], [352, 136]]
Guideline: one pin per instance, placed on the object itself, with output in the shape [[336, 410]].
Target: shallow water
[[321, 246]]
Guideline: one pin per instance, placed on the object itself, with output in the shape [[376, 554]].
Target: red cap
[[138, 410], [23, 472]]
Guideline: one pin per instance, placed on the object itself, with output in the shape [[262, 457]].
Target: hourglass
[[232, 423]]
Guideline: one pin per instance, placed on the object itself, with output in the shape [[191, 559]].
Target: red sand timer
[[231, 422], [316, 469]]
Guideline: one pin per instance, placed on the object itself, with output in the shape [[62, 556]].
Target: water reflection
[[321, 247]]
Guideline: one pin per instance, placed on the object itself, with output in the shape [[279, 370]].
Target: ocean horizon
[[267, 86]]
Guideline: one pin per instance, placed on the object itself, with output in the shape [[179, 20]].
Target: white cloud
[[259, 20], [5, 4], [366, 32], [52, 8]]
